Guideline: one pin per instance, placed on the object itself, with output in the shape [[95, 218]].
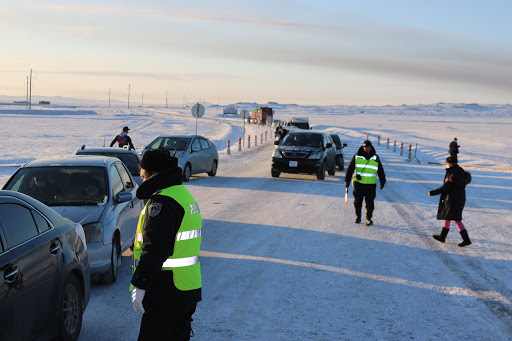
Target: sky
[[304, 52]]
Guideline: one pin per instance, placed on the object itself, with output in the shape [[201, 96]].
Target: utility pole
[[30, 98], [129, 85], [26, 98]]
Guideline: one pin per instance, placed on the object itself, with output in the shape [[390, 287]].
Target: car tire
[[187, 172], [213, 170], [110, 276], [342, 164], [332, 170], [275, 174], [321, 172], [71, 310]]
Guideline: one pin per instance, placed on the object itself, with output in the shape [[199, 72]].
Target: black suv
[[310, 152], [340, 159]]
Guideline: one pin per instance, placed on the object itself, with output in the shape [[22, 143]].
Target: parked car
[[44, 271], [300, 122], [195, 153], [129, 157], [305, 151], [340, 157], [96, 191]]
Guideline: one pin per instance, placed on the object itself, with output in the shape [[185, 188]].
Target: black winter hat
[[452, 159], [367, 143], [126, 128], [157, 160]]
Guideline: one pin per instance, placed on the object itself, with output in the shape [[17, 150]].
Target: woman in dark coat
[[452, 201]]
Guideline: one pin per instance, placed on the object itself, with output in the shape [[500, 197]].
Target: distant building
[[44, 102]]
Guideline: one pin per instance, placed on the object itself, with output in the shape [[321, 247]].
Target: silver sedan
[[195, 153]]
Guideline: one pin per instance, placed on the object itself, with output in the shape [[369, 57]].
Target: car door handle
[[11, 276], [54, 248]]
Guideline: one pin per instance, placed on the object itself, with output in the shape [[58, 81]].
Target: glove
[[382, 185], [137, 297]]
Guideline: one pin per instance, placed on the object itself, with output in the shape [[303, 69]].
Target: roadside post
[[197, 112], [239, 144], [248, 141], [394, 146], [410, 154], [229, 151], [402, 149]]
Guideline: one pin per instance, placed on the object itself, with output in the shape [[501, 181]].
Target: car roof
[[116, 150], [187, 136], [73, 160], [306, 131]]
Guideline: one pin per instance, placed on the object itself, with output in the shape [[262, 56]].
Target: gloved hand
[[382, 185], [137, 297]]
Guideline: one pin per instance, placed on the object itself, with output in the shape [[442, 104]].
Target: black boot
[[441, 237], [358, 219], [465, 238]]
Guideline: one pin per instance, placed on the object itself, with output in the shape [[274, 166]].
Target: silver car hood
[[81, 214]]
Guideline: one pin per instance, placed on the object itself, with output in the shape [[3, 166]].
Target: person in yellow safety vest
[[166, 280], [367, 166]]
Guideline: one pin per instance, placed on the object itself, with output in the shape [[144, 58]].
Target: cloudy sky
[[306, 52]]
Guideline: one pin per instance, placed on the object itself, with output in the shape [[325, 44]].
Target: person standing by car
[[366, 164], [452, 200], [453, 148], [167, 276], [123, 139]]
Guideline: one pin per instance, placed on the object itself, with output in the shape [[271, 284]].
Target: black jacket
[[159, 235], [453, 148], [453, 194], [352, 166], [129, 140]]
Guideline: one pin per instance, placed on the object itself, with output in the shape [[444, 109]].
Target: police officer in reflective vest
[[366, 164], [166, 281]]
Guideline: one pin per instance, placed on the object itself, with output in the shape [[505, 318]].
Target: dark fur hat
[[452, 159], [157, 160]]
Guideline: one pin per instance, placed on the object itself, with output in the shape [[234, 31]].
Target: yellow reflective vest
[[184, 261], [366, 169]]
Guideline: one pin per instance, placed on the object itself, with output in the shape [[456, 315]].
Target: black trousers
[[171, 323], [365, 192]]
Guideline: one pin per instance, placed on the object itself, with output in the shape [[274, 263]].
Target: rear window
[[170, 142], [304, 140]]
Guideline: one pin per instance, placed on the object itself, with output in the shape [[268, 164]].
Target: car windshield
[[129, 159], [170, 142], [305, 140], [62, 186]]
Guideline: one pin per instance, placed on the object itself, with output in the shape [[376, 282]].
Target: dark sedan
[[44, 271]]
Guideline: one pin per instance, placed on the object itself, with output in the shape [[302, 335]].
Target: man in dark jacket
[[366, 164], [453, 148], [452, 200], [167, 277], [123, 139]]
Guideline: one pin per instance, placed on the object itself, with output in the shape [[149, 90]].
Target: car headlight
[[315, 155], [277, 154], [93, 232]]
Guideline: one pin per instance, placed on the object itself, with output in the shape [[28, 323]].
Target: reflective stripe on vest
[[367, 169], [184, 261]]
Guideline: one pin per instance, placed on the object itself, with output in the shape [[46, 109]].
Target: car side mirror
[[276, 143], [328, 145], [124, 197], [344, 145]]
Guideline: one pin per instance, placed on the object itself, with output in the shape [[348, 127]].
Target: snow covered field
[[282, 258]]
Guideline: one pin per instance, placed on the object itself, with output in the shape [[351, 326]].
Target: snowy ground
[[282, 258]]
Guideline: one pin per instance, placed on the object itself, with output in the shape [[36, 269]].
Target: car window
[[61, 185], [204, 144], [42, 224], [19, 226], [115, 180], [130, 160], [125, 177], [196, 145]]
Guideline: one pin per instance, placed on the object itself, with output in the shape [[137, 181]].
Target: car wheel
[[110, 276], [342, 164], [187, 172], [321, 172], [332, 170], [213, 172], [275, 174], [71, 310]]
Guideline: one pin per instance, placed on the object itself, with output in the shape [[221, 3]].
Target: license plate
[[294, 164]]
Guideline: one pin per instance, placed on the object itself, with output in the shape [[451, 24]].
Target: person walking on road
[[452, 200], [123, 139], [367, 166], [167, 276], [453, 148]]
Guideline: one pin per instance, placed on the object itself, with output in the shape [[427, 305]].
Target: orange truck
[[261, 115]]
